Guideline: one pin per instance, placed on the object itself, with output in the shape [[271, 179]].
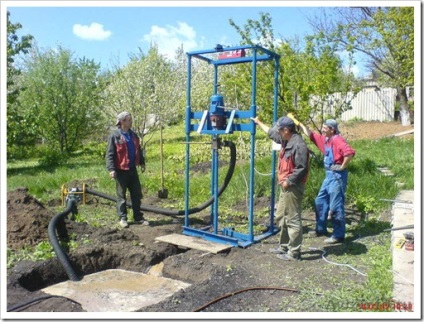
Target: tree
[[64, 95], [149, 87], [309, 75], [15, 46], [385, 35], [19, 126]]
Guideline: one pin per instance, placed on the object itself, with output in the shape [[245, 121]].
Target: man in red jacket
[[123, 155], [330, 200], [293, 168]]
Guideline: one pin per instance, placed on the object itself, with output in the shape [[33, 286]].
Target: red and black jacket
[[293, 160], [117, 156]]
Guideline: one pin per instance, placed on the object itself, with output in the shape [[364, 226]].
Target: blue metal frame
[[258, 54]]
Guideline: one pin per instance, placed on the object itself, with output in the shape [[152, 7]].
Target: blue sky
[[109, 31]]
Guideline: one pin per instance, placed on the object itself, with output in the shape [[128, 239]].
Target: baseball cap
[[284, 121], [333, 124], [121, 116]]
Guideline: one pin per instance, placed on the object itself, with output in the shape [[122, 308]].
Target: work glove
[[290, 115], [336, 167]]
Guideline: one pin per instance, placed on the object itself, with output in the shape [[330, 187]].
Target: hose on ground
[[200, 308], [36, 300], [54, 241], [174, 213], [71, 205]]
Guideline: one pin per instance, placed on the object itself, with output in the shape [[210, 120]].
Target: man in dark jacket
[[123, 155], [293, 168]]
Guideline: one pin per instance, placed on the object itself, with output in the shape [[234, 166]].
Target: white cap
[[121, 116]]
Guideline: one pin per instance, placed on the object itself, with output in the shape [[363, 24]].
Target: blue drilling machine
[[219, 120]]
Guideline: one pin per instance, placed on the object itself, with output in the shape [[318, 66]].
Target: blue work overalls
[[331, 197]]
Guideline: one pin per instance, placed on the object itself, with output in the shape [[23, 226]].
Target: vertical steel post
[[214, 165], [213, 170], [274, 158], [215, 146], [252, 149], [215, 80], [187, 129]]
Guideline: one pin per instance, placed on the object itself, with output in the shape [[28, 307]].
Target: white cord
[[263, 174], [323, 253], [401, 276]]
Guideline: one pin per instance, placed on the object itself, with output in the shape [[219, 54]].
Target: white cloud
[[170, 38], [93, 32]]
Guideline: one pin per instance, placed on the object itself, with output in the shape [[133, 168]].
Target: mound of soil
[[373, 130], [27, 219]]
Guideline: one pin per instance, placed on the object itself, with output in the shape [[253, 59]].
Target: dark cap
[[284, 121]]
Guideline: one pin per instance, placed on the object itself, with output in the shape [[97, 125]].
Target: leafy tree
[[15, 46], [385, 35], [202, 83], [149, 86], [19, 125], [238, 79], [309, 75], [64, 95]]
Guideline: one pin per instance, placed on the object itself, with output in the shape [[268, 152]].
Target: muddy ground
[[265, 281]]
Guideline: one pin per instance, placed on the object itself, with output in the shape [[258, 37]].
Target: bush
[[96, 149], [52, 157]]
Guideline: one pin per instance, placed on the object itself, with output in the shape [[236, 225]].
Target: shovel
[[163, 193]]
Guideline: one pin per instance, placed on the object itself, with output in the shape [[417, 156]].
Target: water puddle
[[117, 290]]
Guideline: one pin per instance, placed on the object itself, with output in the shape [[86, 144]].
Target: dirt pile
[[373, 130], [27, 219]]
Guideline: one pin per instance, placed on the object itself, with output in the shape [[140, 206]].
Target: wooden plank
[[193, 242], [401, 133]]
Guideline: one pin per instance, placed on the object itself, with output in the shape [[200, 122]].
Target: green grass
[[397, 154], [368, 278]]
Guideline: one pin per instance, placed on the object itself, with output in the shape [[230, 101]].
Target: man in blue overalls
[[330, 200]]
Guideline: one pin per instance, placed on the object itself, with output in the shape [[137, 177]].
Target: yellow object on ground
[[400, 243]]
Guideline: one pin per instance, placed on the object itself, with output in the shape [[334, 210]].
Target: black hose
[[34, 301], [169, 212], [61, 255]]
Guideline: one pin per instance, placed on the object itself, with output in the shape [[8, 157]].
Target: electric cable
[[36, 300], [334, 263], [264, 174]]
